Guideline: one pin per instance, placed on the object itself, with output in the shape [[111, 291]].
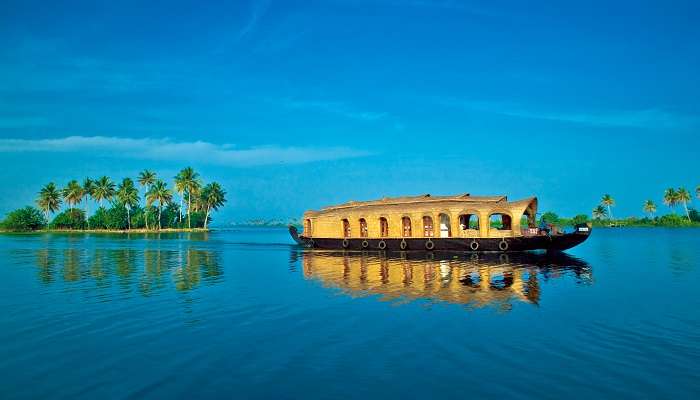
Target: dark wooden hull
[[512, 244]]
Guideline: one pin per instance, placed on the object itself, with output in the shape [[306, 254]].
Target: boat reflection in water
[[483, 280]]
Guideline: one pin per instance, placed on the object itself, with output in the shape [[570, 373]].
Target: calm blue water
[[243, 314]]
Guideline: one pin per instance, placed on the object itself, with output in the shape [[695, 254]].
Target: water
[[245, 314]]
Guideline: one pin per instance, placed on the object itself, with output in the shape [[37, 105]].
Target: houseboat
[[434, 223]]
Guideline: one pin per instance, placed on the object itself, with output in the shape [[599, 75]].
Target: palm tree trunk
[[687, 214], [189, 205], [159, 208], [87, 220], [181, 199], [206, 217], [610, 212], [128, 219]]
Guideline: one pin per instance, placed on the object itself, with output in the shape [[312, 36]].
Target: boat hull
[[557, 242]]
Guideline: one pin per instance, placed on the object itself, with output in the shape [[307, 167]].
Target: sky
[[294, 105]]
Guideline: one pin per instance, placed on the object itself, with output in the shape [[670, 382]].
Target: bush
[[24, 219], [138, 218], [98, 220], [672, 220], [197, 219], [69, 219], [170, 216], [580, 219], [113, 218], [549, 218], [694, 215]]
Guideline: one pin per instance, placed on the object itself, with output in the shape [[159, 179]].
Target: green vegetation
[[24, 219], [159, 192], [146, 179], [124, 210], [672, 198], [69, 219], [49, 199], [553, 219], [128, 196], [211, 198], [650, 208], [608, 202], [189, 182], [599, 212], [602, 213], [550, 218]]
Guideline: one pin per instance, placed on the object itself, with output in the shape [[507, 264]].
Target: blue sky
[[294, 105]]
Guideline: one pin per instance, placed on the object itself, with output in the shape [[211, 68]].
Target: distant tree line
[[672, 198], [126, 210]]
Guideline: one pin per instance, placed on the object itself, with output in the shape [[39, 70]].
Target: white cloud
[[169, 150]]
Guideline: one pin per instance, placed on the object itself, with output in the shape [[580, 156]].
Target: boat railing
[[530, 231]]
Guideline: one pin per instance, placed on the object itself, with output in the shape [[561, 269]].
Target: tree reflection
[[45, 261], [71, 265], [150, 270]]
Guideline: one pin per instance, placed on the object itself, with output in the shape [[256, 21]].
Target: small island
[[125, 213]]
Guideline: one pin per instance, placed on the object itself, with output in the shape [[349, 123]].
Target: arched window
[[469, 221], [363, 228], [383, 227], [406, 224], [307, 227], [445, 228], [500, 221], [346, 228], [428, 226]]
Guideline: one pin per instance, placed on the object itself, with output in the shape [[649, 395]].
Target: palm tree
[[650, 208], [72, 193], [697, 192], [104, 189], [608, 201], [128, 195], [146, 180], [49, 199], [159, 192], [180, 187], [212, 197], [88, 190], [671, 198], [599, 212], [683, 196], [192, 184]]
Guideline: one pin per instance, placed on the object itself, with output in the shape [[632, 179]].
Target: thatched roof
[[422, 199]]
